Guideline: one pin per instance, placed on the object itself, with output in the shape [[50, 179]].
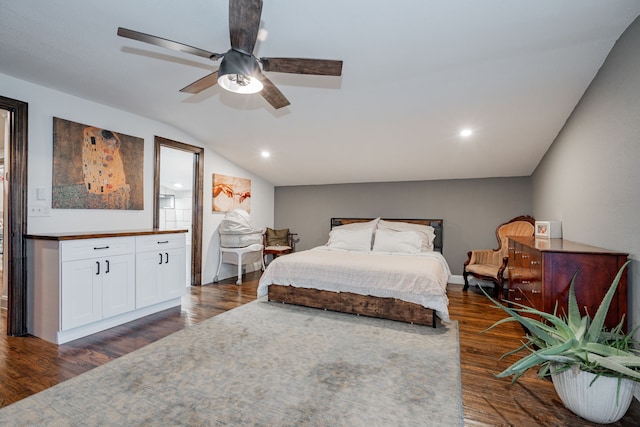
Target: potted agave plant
[[594, 370]]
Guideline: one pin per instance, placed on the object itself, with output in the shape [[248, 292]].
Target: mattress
[[418, 278]]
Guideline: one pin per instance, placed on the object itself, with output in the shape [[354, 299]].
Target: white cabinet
[[97, 279], [160, 267], [78, 286], [96, 288]]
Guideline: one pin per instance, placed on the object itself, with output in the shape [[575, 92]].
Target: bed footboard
[[346, 302]]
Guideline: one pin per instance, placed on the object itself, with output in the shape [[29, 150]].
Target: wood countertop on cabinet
[[100, 234], [561, 245]]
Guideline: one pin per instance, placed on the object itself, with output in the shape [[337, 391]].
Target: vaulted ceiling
[[415, 73]]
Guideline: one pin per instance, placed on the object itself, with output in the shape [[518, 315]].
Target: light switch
[[41, 193]]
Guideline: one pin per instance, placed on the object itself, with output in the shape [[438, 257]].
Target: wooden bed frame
[[366, 305]]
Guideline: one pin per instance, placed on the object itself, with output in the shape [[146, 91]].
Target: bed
[[398, 273]]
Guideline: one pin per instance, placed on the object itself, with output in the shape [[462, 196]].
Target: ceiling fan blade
[[272, 94], [321, 67], [202, 84], [244, 23], [168, 44]]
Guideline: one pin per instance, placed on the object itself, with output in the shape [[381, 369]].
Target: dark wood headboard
[[437, 225]]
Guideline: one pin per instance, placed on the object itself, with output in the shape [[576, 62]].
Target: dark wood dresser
[[540, 272]]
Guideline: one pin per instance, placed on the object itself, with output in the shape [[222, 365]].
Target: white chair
[[240, 252]]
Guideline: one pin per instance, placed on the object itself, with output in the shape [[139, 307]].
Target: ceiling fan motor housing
[[240, 67]]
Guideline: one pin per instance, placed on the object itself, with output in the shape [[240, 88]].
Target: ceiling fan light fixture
[[238, 72]]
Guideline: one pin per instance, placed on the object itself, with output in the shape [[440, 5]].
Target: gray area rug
[[267, 364]]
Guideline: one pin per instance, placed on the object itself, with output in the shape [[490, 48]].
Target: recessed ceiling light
[[177, 185], [262, 34], [265, 154], [466, 132]]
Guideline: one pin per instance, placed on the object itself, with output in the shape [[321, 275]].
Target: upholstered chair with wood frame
[[278, 242], [491, 264]]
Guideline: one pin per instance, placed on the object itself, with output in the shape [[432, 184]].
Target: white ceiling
[[415, 72]]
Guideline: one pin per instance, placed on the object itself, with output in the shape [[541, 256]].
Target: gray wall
[[590, 177], [471, 209]]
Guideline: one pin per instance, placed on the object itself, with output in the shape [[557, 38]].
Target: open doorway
[[179, 163]]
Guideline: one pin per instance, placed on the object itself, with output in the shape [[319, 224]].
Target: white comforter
[[418, 278]]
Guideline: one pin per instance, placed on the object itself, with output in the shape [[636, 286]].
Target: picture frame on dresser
[[548, 229], [543, 229]]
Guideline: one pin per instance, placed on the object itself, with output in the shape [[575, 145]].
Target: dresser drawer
[[527, 295], [72, 250], [160, 242]]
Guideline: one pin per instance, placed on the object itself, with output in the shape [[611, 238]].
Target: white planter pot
[[599, 403]]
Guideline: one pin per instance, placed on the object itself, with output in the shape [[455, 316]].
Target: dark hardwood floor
[[29, 365]]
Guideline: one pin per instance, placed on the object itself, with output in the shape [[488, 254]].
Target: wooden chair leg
[[499, 290]]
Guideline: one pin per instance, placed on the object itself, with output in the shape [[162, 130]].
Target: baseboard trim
[[456, 279]]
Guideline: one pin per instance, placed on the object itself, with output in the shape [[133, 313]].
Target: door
[[118, 285], [4, 136], [15, 218], [148, 287], [81, 288], [195, 168], [172, 273]]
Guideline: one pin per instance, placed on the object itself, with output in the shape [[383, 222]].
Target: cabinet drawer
[[160, 242], [527, 295], [516, 260], [90, 248]]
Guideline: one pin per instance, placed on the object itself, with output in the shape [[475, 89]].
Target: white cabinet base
[[82, 285], [62, 337]]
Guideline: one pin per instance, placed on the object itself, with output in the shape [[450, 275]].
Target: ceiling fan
[[240, 71]]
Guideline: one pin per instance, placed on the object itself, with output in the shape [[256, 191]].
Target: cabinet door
[[172, 272], [118, 284], [81, 293], [148, 288], [160, 276]]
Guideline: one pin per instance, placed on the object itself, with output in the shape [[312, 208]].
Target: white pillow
[[369, 225], [408, 242], [425, 232], [353, 240]]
